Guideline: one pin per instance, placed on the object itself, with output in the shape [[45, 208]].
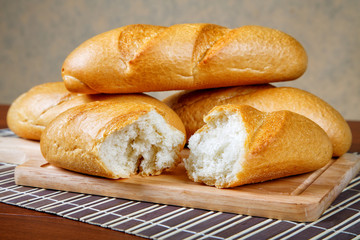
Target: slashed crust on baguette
[[143, 58]]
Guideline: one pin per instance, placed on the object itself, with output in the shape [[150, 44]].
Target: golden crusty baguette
[[192, 106], [31, 112], [114, 139], [241, 145], [144, 58]]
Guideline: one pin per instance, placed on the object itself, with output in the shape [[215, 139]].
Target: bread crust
[[31, 112], [72, 139], [191, 106], [143, 58], [27, 115], [279, 144]]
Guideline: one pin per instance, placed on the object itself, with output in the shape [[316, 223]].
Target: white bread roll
[[192, 106], [144, 58], [31, 112], [114, 139], [241, 145]]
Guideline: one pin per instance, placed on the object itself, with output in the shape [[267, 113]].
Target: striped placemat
[[158, 221]]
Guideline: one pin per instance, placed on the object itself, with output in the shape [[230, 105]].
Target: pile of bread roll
[[239, 128]]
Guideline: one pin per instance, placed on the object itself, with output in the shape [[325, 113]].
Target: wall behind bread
[[37, 35]]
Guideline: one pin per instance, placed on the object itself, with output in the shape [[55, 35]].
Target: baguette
[[114, 139], [241, 145], [192, 106], [31, 112], [143, 58]]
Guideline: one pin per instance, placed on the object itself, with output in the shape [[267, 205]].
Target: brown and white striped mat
[[158, 221]]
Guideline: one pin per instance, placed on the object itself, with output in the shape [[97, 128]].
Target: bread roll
[[192, 106], [32, 111], [241, 145], [114, 139], [143, 58]]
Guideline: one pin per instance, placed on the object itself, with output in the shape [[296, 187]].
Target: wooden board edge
[[345, 179], [306, 211]]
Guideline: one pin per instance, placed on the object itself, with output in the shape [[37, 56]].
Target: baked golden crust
[[143, 58], [191, 106], [27, 115], [32, 111], [77, 132], [285, 144], [278, 144]]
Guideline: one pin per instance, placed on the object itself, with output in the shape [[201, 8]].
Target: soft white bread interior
[[192, 106], [144, 58], [114, 140], [241, 145], [31, 112]]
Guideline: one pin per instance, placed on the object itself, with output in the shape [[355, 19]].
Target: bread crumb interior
[[216, 153], [146, 147]]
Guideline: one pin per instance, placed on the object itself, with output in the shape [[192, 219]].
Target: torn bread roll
[[32, 111], [192, 106], [241, 145], [144, 58], [114, 139]]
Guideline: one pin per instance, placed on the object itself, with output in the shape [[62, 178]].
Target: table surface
[[17, 222]]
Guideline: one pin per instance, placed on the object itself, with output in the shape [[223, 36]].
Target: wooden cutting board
[[299, 198]]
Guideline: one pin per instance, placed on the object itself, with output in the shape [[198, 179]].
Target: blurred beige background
[[37, 35]]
